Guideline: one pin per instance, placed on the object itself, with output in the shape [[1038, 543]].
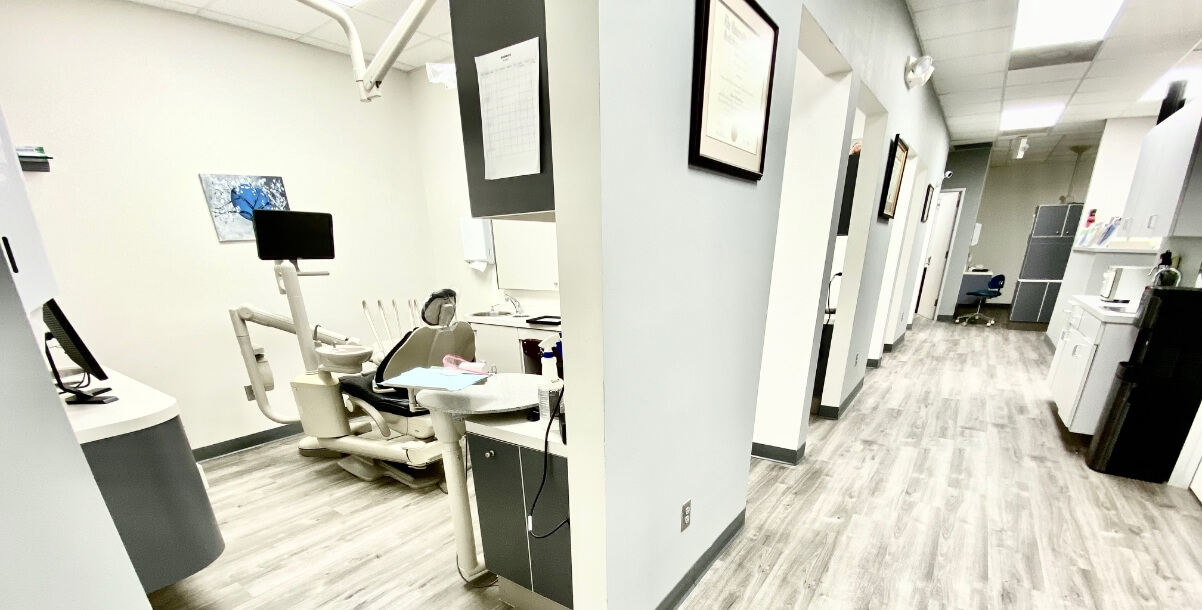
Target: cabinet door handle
[[1126, 223], [8, 251], [1152, 220], [488, 455], [1075, 347]]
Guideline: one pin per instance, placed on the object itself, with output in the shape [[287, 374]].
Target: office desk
[[972, 280], [142, 463]]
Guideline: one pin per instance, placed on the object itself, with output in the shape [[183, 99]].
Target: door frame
[[950, 242]]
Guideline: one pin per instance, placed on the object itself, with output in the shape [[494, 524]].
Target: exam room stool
[[992, 291]]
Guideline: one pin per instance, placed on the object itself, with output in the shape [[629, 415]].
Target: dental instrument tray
[[544, 321]]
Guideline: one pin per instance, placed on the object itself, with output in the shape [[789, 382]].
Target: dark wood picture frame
[[893, 180], [926, 204], [701, 55]]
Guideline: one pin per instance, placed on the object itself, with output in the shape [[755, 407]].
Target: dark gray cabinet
[[506, 479], [1056, 220], [1034, 301]]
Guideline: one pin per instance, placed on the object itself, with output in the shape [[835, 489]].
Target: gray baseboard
[[910, 326], [873, 363], [1048, 340], [897, 341], [945, 318], [682, 588], [779, 454], [246, 442], [826, 412], [888, 348]]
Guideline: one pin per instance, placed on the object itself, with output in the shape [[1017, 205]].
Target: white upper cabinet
[[1166, 192], [526, 254], [21, 245]]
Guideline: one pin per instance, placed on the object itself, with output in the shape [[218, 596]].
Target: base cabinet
[[506, 479], [1083, 369]]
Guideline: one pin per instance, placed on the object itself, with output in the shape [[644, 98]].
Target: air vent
[[1040, 57]]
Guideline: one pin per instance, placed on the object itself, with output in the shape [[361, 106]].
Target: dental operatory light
[[919, 71], [1192, 75], [1022, 148], [1031, 117], [1045, 23], [369, 77]]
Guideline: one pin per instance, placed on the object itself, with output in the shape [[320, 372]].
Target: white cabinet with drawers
[[1093, 342], [499, 343]]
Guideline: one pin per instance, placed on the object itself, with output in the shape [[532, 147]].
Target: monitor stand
[[87, 397]]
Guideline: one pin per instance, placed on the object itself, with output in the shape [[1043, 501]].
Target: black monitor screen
[[286, 235], [62, 330]]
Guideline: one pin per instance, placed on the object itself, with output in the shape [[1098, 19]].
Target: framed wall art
[[896, 168], [733, 58], [926, 203]]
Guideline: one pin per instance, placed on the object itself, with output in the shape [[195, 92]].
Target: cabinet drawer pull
[[488, 455], [1152, 220], [1075, 347]]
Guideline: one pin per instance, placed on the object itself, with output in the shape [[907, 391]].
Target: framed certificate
[[926, 204], [899, 151], [733, 59]]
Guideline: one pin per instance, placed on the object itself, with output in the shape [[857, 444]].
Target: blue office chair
[[993, 291]]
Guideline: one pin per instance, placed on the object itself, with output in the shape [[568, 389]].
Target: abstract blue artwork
[[233, 200]]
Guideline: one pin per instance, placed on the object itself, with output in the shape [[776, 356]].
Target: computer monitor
[[61, 330], [286, 235]]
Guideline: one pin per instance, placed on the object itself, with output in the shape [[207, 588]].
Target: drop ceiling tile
[[1160, 18], [967, 66], [1144, 64], [972, 97], [190, 7], [372, 32], [248, 24], [388, 10], [961, 109], [968, 136], [287, 15], [974, 82], [966, 17], [1047, 74], [997, 40], [1034, 101], [1119, 47], [433, 50], [1018, 92], [1107, 97], [1149, 108], [1092, 112], [1088, 127], [438, 20], [926, 5], [1115, 83]]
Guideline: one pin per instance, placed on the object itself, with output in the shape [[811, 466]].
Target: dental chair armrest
[[354, 404]]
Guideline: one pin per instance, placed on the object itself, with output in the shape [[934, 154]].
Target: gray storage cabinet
[[1048, 249], [506, 478]]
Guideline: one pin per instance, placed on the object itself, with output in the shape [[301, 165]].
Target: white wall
[[134, 102], [893, 256], [808, 215], [444, 181], [910, 256], [876, 36], [61, 547], [1008, 208], [1114, 168], [686, 257]]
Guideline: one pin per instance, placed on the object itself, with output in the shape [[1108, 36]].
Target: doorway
[[947, 212]]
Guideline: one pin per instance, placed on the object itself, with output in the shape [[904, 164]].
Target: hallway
[[949, 483]]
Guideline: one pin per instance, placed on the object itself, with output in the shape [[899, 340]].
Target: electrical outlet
[[686, 515]]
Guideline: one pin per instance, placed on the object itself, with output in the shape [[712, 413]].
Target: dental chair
[[372, 430]]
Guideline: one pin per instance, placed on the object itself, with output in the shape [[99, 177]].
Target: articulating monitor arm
[[371, 76]]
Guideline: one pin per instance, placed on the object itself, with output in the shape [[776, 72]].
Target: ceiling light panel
[[1031, 117], [1043, 23]]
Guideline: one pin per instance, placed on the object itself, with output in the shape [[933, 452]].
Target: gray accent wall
[[969, 168]]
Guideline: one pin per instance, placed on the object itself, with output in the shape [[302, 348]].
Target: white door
[[946, 211]]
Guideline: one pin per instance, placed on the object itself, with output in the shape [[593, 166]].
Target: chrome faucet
[[517, 305]]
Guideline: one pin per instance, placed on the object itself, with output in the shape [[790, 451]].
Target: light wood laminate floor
[[948, 484]]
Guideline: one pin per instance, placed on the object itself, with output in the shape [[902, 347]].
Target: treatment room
[[488, 304]]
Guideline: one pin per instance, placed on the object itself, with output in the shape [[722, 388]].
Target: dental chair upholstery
[[421, 347]]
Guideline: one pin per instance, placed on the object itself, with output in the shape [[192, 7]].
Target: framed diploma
[[898, 152], [733, 58], [926, 204]]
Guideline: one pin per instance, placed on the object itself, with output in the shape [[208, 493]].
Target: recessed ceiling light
[[1030, 117], [1191, 74], [1043, 23]]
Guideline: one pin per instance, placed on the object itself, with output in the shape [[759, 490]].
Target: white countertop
[[1093, 305], [137, 407], [1105, 250], [514, 428], [511, 322], [989, 273]]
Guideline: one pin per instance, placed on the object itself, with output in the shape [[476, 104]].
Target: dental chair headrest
[[439, 309]]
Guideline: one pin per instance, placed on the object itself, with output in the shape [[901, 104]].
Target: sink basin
[[492, 314]]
